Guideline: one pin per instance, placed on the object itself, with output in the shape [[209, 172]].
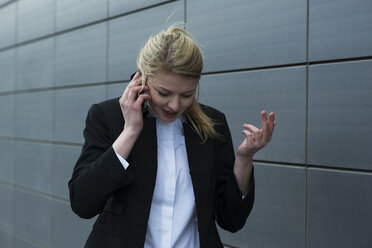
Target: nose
[[174, 104]]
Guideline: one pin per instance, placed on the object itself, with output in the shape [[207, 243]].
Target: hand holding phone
[[132, 102], [144, 83]]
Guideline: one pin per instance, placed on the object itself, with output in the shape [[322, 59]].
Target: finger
[[127, 90], [272, 124], [135, 79], [249, 135], [271, 120], [253, 129], [133, 92], [142, 98], [265, 125], [257, 134]]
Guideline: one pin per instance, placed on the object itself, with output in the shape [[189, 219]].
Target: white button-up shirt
[[172, 221]]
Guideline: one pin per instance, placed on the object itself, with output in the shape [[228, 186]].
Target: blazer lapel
[[201, 164], [143, 157]]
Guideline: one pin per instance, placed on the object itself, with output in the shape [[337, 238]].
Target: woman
[[158, 167]]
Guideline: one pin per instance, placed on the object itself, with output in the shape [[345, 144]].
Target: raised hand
[[132, 107], [256, 138]]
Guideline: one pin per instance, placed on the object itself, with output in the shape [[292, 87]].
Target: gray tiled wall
[[7, 161], [118, 7], [71, 108], [6, 205], [70, 13], [339, 104], [65, 157], [7, 65], [33, 217], [81, 56], [35, 65], [7, 113], [34, 113], [243, 95], [133, 31], [277, 219], [6, 239], [339, 29], [248, 33], [346, 198], [7, 25], [32, 166], [35, 19], [308, 61]]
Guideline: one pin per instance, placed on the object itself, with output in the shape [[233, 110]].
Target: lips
[[169, 114]]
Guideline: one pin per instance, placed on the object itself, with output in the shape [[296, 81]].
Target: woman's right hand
[[132, 107]]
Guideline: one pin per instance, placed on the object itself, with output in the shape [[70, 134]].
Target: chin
[[167, 119]]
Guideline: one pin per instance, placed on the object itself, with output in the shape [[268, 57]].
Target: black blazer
[[122, 198]]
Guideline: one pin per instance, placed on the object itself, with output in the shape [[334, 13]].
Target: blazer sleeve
[[231, 210], [98, 171]]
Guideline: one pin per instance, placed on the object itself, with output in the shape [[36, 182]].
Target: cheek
[[156, 100], [186, 103]]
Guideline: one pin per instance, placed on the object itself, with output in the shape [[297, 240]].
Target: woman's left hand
[[256, 138]]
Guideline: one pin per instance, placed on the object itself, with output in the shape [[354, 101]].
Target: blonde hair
[[174, 50]]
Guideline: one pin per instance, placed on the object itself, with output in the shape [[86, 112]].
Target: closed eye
[[163, 94]]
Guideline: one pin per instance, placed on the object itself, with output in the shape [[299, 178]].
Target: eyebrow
[[168, 91]]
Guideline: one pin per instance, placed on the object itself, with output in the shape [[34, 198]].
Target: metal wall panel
[[33, 217], [116, 90], [243, 95], [25, 243], [68, 229], [340, 115], [339, 29], [7, 69], [35, 19], [6, 239], [4, 1], [7, 115], [35, 65], [129, 33], [242, 34], [338, 209], [81, 56], [117, 7], [6, 208], [7, 160], [34, 166], [71, 109], [277, 218], [8, 25], [64, 160], [71, 13], [34, 115]]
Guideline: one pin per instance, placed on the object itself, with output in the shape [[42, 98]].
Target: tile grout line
[[14, 203], [54, 95], [26, 189], [107, 48], [307, 120]]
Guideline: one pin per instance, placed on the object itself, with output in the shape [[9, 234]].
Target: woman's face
[[171, 94]]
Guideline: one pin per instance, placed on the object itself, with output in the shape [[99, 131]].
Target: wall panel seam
[[306, 117], [26, 189], [40, 141]]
